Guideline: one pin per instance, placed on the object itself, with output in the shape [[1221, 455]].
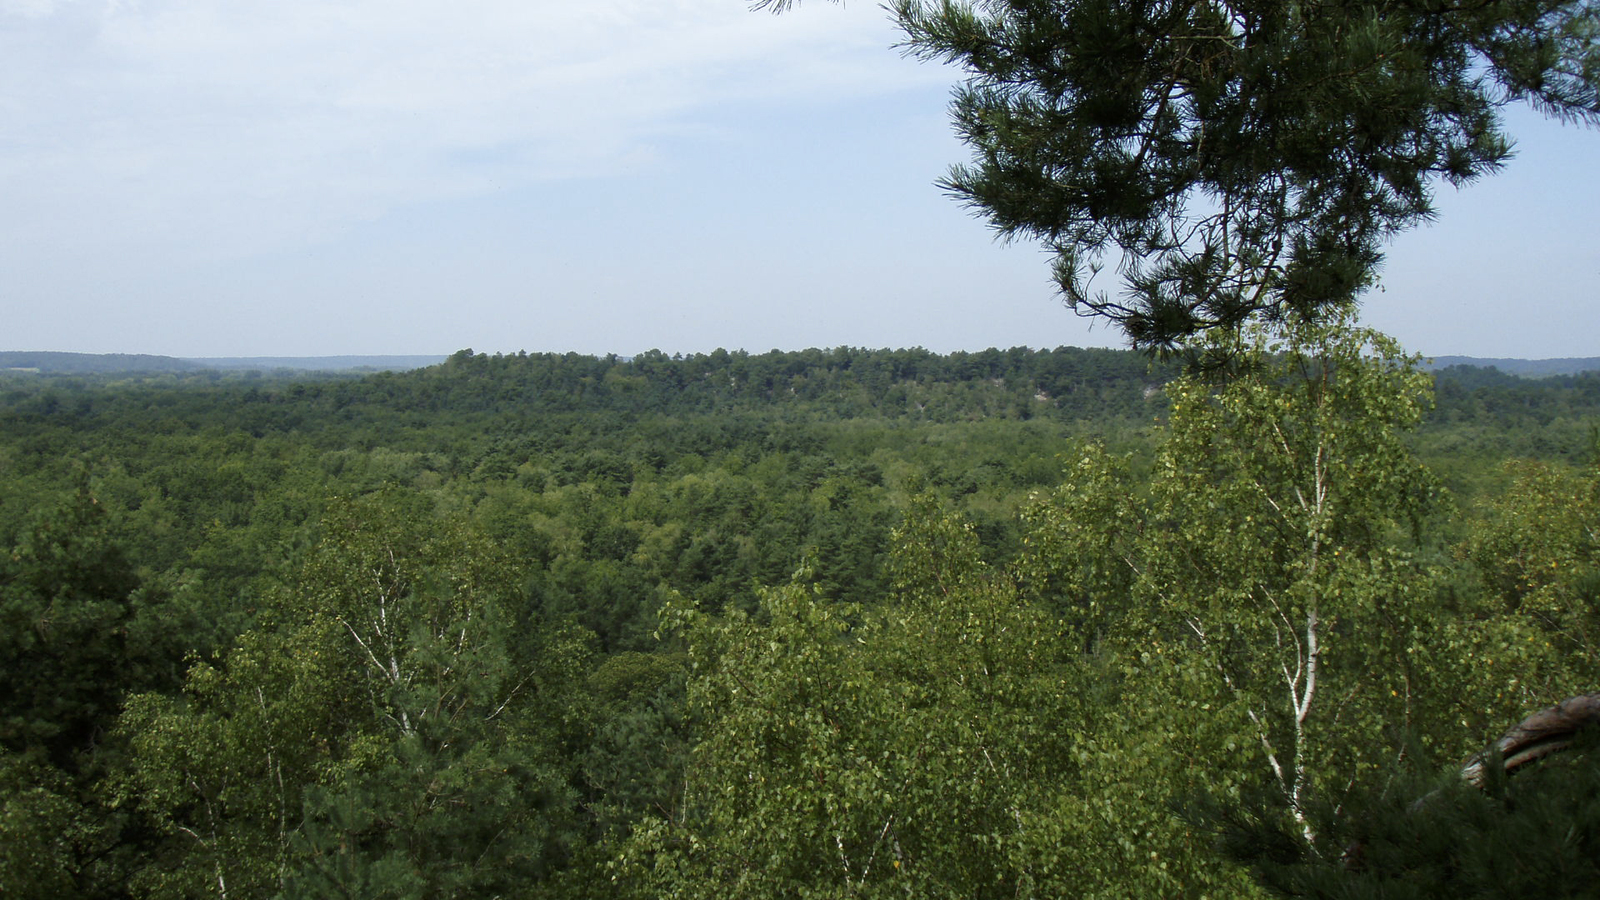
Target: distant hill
[[319, 363], [1527, 368], [53, 363], [56, 363]]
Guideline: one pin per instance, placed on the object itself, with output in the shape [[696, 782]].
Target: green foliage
[[77, 634], [1527, 608], [383, 734], [1080, 542], [633, 766], [835, 745], [46, 835], [1245, 619], [1275, 563], [65, 605], [1188, 144], [222, 769], [393, 636], [1530, 835], [1538, 554]]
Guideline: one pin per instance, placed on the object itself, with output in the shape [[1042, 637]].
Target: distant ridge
[[58, 363], [54, 363], [1526, 368], [318, 363]]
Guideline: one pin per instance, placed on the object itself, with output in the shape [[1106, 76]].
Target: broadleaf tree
[[1249, 614], [78, 633], [1276, 588], [911, 749], [381, 732]]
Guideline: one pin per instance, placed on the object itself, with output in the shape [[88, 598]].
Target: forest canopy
[[844, 621], [868, 623]]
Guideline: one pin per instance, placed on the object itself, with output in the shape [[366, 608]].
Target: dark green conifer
[[1526, 824], [1235, 158]]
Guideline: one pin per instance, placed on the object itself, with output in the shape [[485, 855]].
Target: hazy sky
[[320, 177]]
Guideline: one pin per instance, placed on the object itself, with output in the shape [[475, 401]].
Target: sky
[[202, 178]]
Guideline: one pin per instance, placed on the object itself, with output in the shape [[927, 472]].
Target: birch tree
[[911, 750], [379, 734], [1274, 580]]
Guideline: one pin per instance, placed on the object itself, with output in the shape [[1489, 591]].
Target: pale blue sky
[[319, 177]]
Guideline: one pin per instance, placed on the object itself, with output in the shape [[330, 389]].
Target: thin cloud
[[231, 127]]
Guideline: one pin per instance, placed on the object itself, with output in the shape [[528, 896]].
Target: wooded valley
[[832, 623]]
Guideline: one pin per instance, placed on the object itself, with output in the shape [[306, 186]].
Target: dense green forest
[[819, 624]]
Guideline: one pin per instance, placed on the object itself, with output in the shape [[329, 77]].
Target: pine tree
[[1502, 826], [1235, 158]]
